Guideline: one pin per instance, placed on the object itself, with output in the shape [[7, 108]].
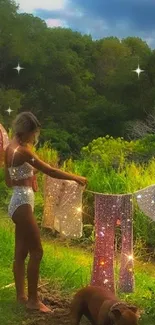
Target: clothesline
[[93, 192], [129, 193], [67, 201], [145, 198]]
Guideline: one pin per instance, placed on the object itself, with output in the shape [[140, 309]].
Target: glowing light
[[79, 209], [138, 71], [9, 110], [105, 281], [130, 257], [102, 263], [101, 233], [18, 68]]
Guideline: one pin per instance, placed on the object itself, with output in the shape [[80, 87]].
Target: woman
[[20, 163]]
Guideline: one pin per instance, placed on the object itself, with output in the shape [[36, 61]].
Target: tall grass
[[69, 268], [107, 172], [66, 269]]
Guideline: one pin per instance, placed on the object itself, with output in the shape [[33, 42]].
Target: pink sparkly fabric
[[108, 209], [126, 275], [4, 139]]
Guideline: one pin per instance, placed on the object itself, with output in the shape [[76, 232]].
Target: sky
[[100, 18]]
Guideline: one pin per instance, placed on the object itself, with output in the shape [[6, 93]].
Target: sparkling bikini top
[[23, 171]]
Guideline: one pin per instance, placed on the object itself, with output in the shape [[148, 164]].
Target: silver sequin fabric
[[23, 171], [21, 195], [63, 207], [146, 201]]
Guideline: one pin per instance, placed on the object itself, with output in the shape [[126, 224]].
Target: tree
[[79, 88]]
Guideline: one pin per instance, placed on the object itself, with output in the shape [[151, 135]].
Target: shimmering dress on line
[[21, 194]]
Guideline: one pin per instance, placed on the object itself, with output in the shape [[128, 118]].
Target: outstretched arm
[[45, 168]]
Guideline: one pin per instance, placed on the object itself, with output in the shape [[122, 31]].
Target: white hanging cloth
[[63, 207], [146, 201]]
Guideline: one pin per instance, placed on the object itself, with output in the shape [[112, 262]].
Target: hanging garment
[[63, 207], [109, 209], [4, 142], [105, 220], [146, 201], [126, 274], [4, 139]]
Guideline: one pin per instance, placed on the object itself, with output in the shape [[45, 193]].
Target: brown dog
[[101, 307]]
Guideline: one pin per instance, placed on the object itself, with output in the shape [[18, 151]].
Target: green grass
[[67, 269]]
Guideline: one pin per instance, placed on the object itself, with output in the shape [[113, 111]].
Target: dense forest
[[79, 88]]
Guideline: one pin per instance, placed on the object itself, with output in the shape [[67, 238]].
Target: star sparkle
[[9, 110], [130, 257], [18, 68], [138, 71]]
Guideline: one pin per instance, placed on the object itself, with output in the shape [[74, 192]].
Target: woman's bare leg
[[21, 252], [31, 235]]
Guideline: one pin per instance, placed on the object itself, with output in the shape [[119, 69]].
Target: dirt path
[[59, 304]]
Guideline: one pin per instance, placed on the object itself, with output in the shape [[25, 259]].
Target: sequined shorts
[[21, 195]]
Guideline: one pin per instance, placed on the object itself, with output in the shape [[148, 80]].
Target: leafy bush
[[98, 164]]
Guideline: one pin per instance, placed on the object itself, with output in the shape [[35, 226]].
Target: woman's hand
[[80, 180]]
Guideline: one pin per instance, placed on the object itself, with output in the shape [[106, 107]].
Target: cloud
[[100, 18], [55, 23], [30, 6]]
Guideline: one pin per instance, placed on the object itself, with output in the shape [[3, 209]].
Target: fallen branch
[[13, 285], [8, 286]]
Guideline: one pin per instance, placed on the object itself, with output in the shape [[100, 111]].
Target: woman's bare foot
[[38, 306], [22, 300]]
